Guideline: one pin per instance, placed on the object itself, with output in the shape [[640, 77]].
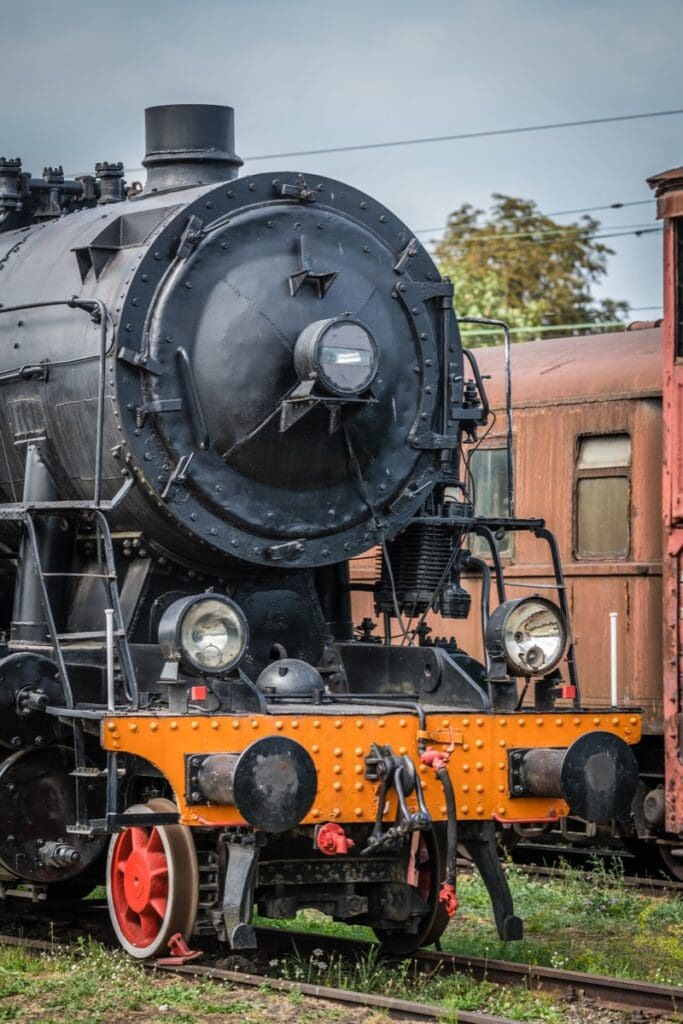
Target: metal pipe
[[613, 666], [109, 628]]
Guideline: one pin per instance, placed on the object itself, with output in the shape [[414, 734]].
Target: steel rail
[[400, 1009], [618, 993]]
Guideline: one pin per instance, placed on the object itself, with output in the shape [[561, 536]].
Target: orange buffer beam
[[338, 744]]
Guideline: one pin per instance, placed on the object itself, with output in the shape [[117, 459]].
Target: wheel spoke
[[139, 837]]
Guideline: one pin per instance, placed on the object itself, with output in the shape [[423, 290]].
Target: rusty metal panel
[[569, 371]]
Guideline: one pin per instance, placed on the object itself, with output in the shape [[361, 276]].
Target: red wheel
[[152, 883]]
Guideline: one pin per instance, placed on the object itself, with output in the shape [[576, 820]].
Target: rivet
[[465, 788], [215, 724], [316, 723], [596, 721], [315, 813], [133, 727], [423, 769], [194, 725], [615, 721], [335, 812], [295, 723], [576, 721], [337, 769], [479, 743], [479, 766], [521, 723], [480, 788], [337, 786], [633, 721], [338, 751], [358, 812], [502, 812], [279, 724], [358, 769], [559, 722], [254, 723], [174, 725], [235, 723], [502, 723], [480, 721], [480, 809], [315, 748], [465, 747], [627, 731], [358, 751], [111, 726], [501, 789], [446, 722], [402, 723], [337, 723], [465, 722], [154, 726], [465, 809], [539, 722], [359, 786], [465, 767], [502, 743], [116, 745], [403, 750], [381, 723], [501, 765], [359, 723]]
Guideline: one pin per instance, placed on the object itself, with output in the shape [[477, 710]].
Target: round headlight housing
[[340, 354], [531, 635], [208, 632]]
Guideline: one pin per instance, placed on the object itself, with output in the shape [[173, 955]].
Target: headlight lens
[[209, 632], [340, 354], [532, 634]]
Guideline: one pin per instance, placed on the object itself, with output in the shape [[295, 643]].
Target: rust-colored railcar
[[587, 446]]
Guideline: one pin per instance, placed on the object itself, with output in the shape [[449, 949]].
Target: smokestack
[[189, 144]]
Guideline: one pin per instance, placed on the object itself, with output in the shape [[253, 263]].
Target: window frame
[[601, 473], [496, 444]]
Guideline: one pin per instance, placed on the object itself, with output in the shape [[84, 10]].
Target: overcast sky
[[304, 74]]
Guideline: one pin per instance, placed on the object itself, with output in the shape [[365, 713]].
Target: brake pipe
[[438, 760]]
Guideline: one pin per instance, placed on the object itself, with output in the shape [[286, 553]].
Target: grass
[[597, 925], [92, 985], [594, 924]]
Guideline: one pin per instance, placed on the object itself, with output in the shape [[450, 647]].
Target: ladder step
[[85, 772]]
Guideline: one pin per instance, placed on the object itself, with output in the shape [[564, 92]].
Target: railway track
[[614, 993], [604, 992], [651, 886]]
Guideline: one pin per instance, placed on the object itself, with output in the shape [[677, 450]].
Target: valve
[[331, 839], [436, 759], [448, 897]]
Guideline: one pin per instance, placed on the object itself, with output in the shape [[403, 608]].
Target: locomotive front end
[[266, 379]]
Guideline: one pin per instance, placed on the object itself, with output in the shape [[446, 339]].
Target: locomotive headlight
[[530, 634], [207, 631], [340, 354]]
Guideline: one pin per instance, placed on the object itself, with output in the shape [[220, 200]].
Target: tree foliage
[[520, 266]]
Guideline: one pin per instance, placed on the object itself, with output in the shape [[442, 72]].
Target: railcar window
[[489, 470], [603, 497]]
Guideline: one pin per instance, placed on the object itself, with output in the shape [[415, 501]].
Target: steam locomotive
[[216, 392]]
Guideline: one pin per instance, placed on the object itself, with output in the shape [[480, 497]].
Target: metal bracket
[[322, 281], [238, 891], [190, 238], [178, 475], [159, 405], [140, 361]]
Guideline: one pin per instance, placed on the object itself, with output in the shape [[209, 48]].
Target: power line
[[560, 229], [459, 136], [561, 213], [545, 328]]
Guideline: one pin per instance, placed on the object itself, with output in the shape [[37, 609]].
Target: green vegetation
[[597, 925], [92, 985], [518, 265]]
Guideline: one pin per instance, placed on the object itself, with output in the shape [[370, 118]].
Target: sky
[[314, 73]]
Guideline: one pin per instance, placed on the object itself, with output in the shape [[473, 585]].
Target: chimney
[[189, 144]]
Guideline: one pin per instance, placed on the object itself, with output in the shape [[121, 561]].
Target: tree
[[520, 266]]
